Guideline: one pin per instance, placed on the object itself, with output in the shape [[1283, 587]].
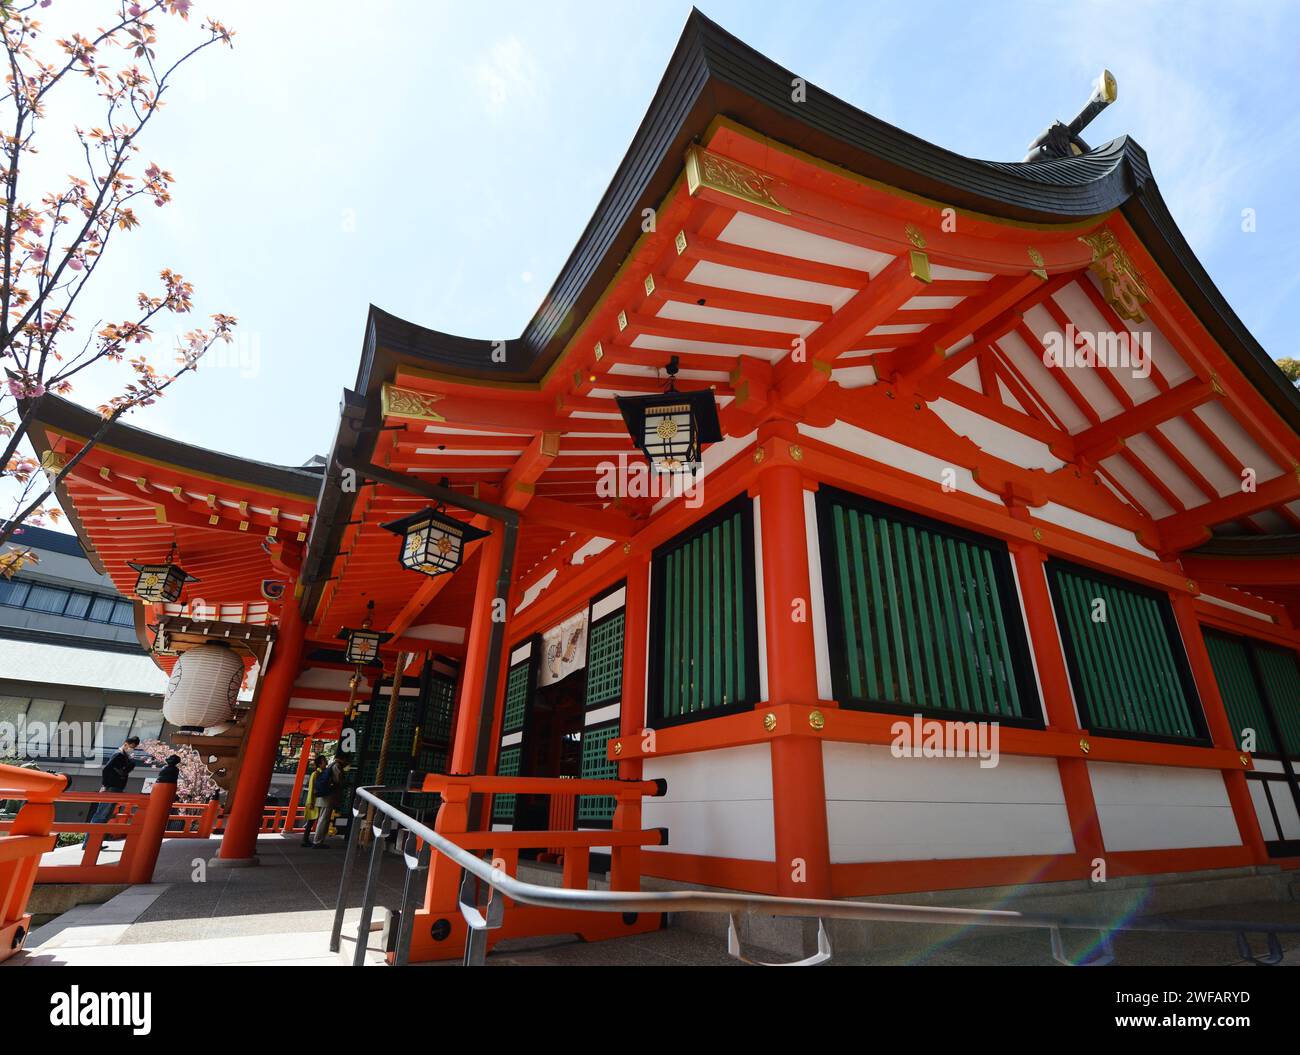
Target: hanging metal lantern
[[432, 541], [204, 686], [160, 583], [161, 645], [671, 428], [363, 644]]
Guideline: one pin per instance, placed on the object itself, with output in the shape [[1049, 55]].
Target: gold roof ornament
[[1121, 283], [715, 172], [408, 403]]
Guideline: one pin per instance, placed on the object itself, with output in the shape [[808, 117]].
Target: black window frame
[[1173, 635], [1022, 656], [655, 718]]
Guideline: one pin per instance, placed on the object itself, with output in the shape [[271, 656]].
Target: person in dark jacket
[[114, 777], [329, 787]]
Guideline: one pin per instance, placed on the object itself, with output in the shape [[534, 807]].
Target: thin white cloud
[[506, 76]]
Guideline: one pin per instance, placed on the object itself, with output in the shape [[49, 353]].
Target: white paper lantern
[[204, 686]]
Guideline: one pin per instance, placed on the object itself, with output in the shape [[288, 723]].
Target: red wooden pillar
[[245, 820], [476, 654], [1040, 620], [1216, 719], [625, 862], [798, 780], [298, 779], [454, 814]]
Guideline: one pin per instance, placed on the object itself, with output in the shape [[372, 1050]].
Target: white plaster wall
[[881, 808], [1161, 807], [719, 803]]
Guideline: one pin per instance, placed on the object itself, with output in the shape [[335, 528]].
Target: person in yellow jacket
[[310, 809]]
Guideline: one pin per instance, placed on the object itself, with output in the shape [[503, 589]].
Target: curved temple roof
[[832, 268], [713, 73]]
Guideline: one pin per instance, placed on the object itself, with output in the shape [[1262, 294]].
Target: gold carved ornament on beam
[[722, 174], [408, 403], [1121, 283]]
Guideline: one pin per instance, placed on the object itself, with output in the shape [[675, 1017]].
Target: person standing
[[113, 778], [329, 790], [310, 811]]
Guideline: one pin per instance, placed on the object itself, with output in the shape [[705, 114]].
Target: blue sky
[[440, 160]]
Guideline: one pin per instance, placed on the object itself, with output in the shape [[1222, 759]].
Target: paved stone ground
[[280, 911]]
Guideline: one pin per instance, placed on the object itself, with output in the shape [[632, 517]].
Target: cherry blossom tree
[[56, 231], [195, 782]]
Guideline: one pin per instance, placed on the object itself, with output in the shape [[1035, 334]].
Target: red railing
[[192, 820], [29, 835], [140, 821], [625, 839], [560, 817]]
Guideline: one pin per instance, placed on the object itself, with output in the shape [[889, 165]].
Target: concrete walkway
[[280, 912]]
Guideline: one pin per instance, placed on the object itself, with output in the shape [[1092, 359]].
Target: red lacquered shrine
[[990, 447]]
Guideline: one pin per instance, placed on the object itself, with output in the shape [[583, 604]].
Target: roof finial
[[1062, 140]]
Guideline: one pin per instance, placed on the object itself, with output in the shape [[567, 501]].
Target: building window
[[1127, 665], [54, 600], [36, 730], [78, 606], [605, 660], [46, 599], [597, 810], [704, 636], [921, 617], [1260, 686]]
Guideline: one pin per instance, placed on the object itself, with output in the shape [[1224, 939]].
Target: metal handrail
[[487, 916]]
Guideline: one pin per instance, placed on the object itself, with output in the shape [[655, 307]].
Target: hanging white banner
[[564, 649]]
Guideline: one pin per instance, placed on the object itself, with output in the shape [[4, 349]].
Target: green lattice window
[[605, 660], [1235, 675], [441, 703], [596, 765], [704, 657], [503, 806], [370, 739], [1281, 678], [921, 616], [516, 697], [1126, 658]]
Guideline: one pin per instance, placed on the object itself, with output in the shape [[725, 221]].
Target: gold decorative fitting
[[1084, 746], [1245, 760], [599, 352], [680, 242], [914, 235], [919, 266], [715, 172], [1038, 535], [618, 747], [302, 536], [1215, 386], [53, 462], [1122, 285], [759, 455], [407, 403], [1036, 258], [816, 719], [769, 721], [796, 452], [622, 321], [627, 548], [1191, 585]]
